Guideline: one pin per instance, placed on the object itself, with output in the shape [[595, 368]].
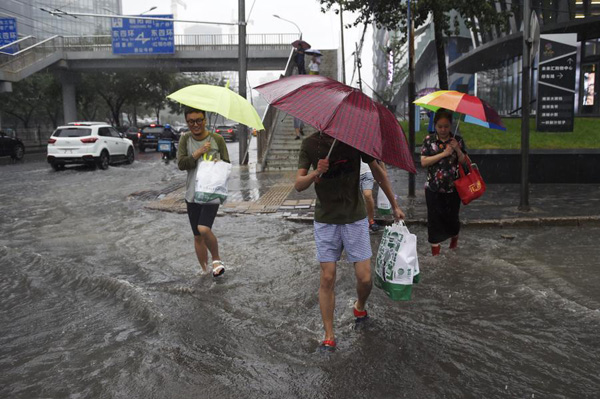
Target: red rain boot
[[435, 250], [454, 242]]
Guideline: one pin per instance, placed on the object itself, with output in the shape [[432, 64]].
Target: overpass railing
[[33, 52], [273, 41]]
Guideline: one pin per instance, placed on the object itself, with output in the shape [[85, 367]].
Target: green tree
[[156, 87], [51, 101], [391, 15], [116, 89], [34, 100], [90, 106]]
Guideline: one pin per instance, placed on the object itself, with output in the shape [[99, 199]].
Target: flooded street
[[101, 298]]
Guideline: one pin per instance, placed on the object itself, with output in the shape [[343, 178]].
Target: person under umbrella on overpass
[[300, 47]]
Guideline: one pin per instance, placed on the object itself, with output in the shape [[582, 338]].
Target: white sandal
[[219, 269]]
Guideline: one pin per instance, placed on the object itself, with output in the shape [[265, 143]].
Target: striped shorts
[[331, 239]]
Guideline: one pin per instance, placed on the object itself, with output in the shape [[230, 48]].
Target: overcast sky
[[321, 30]]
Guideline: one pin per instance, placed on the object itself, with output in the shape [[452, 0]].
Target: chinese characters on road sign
[[142, 36], [556, 83], [8, 34]]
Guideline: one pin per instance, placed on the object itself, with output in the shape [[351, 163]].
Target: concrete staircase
[[284, 150], [283, 154]]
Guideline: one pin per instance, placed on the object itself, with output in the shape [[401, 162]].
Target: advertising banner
[[556, 82]]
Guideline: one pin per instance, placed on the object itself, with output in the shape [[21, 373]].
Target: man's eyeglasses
[[193, 122]]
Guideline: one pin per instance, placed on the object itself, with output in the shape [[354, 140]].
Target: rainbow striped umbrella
[[475, 109]]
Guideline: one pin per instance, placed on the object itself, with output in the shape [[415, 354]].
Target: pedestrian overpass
[[193, 53]]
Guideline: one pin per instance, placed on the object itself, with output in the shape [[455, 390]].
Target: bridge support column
[[5, 87], [68, 81]]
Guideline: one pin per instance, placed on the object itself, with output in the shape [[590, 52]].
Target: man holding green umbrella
[[199, 145]]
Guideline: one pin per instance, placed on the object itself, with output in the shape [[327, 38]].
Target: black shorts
[[442, 215], [201, 215]]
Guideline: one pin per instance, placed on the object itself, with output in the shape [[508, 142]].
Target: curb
[[513, 222]]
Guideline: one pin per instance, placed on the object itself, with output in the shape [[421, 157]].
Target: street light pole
[[151, 9], [243, 68], [291, 22]]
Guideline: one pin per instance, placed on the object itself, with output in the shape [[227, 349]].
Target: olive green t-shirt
[[339, 199]]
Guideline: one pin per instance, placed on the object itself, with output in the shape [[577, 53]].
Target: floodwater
[[101, 298]]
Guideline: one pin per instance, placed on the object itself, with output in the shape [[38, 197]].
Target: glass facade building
[[31, 20], [489, 63], [501, 85]]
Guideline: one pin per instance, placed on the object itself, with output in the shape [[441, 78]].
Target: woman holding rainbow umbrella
[[441, 152]]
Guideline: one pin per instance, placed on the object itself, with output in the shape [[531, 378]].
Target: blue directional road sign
[[139, 36], [8, 34]]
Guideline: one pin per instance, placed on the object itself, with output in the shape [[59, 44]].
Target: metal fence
[[189, 42], [31, 51], [33, 136]]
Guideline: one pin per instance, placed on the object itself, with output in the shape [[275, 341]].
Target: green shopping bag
[[397, 264]]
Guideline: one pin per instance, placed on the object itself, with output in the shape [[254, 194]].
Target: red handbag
[[470, 185]]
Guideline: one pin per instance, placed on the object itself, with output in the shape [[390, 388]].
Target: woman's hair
[[188, 110], [442, 114]]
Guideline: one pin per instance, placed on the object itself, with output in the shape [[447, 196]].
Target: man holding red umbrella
[[340, 218]]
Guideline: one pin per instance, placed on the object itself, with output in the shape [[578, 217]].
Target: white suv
[[94, 143]]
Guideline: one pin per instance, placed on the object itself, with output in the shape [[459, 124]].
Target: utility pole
[[342, 40], [243, 68], [526, 73], [411, 97]]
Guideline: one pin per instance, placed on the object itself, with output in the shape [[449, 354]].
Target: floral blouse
[[441, 175]]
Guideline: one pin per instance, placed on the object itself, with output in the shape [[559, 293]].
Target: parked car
[[11, 146], [92, 143], [131, 133], [229, 133], [149, 135]]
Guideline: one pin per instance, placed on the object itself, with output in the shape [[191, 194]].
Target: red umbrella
[[301, 44], [344, 113]]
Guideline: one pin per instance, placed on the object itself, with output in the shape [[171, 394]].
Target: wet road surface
[[101, 298]]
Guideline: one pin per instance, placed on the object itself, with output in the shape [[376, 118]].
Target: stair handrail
[[265, 137], [12, 63], [13, 43], [35, 45]]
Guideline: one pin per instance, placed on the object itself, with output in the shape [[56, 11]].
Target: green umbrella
[[220, 100]]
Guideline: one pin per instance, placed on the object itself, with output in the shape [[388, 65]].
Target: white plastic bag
[[211, 181], [383, 203], [397, 265]]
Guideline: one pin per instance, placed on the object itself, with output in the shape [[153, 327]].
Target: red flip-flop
[[328, 345], [359, 314]]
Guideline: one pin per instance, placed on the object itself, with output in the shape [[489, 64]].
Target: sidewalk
[[273, 193]]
